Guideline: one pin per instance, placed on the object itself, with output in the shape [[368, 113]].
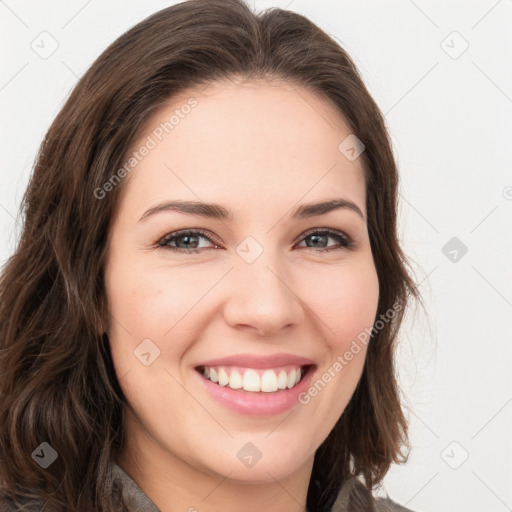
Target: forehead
[[272, 141]]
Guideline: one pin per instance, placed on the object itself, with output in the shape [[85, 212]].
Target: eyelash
[[344, 241]]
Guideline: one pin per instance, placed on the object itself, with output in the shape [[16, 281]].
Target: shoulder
[[388, 505], [354, 496], [118, 485], [117, 482]]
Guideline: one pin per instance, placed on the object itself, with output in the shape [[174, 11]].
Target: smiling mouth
[[255, 380]]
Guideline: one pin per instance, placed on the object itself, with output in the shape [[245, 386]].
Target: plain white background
[[438, 72]]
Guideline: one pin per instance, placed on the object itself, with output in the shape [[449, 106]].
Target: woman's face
[[256, 285]]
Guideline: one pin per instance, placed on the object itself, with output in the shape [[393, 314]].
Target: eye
[[188, 241], [321, 237]]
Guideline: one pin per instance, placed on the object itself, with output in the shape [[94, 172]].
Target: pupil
[[187, 238], [315, 239]]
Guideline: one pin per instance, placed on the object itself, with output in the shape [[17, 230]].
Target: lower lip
[[257, 404]]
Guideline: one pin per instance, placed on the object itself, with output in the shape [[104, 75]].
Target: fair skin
[[260, 150]]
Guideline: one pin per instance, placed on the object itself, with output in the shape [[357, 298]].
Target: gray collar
[[133, 495]]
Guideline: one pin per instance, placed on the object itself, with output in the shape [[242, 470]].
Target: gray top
[[137, 501], [135, 498]]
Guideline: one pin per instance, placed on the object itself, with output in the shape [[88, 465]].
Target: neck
[[172, 483]]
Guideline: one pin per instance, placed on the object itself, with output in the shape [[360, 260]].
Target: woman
[[203, 306]]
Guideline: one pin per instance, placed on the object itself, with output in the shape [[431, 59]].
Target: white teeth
[[223, 377], [291, 379], [282, 379], [250, 380], [235, 380], [269, 381]]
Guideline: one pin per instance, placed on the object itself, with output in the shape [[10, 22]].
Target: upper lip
[[258, 361]]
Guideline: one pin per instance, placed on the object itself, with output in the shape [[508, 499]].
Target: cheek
[[148, 300], [346, 306], [346, 301]]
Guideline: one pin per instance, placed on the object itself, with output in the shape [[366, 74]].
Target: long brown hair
[[57, 381]]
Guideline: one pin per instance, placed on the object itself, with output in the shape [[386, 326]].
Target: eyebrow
[[216, 211]]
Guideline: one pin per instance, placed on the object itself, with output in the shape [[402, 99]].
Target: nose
[[262, 297]]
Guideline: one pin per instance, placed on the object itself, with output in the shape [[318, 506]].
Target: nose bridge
[[261, 291]]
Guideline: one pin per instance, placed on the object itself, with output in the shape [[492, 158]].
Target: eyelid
[[328, 231], [346, 242], [182, 232]]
